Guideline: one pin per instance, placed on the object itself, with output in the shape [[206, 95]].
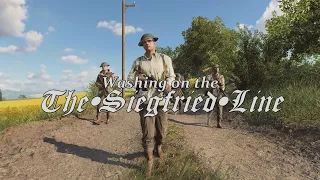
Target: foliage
[[22, 96], [205, 42], [250, 66], [300, 90], [297, 29], [1, 96]]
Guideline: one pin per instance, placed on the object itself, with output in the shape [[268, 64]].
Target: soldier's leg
[[98, 107], [107, 113], [209, 114], [148, 131], [219, 112], [161, 123], [180, 107]]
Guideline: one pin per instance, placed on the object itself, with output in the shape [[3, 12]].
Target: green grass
[[179, 163], [299, 87], [301, 107]]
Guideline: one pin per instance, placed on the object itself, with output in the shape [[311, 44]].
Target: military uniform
[[178, 92], [158, 66], [102, 91], [217, 93]]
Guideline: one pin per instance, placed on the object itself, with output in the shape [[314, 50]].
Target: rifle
[[221, 90], [149, 78]]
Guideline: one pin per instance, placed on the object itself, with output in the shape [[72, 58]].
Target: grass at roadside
[[179, 163], [300, 107]]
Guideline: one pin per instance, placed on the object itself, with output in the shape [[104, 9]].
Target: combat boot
[[160, 152], [97, 119], [150, 164], [219, 124], [108, 117]]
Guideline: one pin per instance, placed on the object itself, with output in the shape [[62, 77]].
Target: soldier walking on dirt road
[[215, 75], [158, 66], [103, 92]]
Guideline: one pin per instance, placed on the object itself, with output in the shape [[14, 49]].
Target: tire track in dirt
[[241, 154]]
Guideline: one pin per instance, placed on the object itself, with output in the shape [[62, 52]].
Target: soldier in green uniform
[[159, 66], [215, 75], [102, 91]]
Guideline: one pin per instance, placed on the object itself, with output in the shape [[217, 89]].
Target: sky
[[60, 44]]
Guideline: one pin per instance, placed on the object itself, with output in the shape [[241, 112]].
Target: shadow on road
[[86, 119], [94, 154], [188, 124]]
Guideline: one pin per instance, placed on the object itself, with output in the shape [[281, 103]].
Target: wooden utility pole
[[124, 7]]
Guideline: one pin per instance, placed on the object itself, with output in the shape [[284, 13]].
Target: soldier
[[158, 66], [178, 92], [215, 75], [103, 92]]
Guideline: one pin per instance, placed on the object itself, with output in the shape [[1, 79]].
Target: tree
[[297, 29], [167, 51], [173, 53], [258, 59], [249, 67], [22, 97], [207, 41], [0, 95]]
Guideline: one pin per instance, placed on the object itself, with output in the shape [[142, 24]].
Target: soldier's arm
[[98, 83], [171, 75], [132, 73], [223, 85], [208, 77]]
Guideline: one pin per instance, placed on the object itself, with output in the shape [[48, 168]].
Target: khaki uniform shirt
[[220, 79], [159, 66]]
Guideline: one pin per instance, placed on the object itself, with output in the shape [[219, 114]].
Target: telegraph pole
[[124, 7]]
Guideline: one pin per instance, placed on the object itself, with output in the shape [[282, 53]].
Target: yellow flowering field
[[14, 112], [35, 102]]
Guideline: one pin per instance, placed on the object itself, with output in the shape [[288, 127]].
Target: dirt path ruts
[[245, 155], [75, 149]]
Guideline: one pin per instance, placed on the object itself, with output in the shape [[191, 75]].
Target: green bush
[[300, 90]]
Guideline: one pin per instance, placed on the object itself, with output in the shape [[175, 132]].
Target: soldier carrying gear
[[159, 66], [178, 92], [103, 92], [218, 92]]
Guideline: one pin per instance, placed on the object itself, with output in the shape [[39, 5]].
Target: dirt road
[[243, 155], [73, 148]]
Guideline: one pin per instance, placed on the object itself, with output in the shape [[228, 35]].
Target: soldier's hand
[[141, 77], [168, 88]]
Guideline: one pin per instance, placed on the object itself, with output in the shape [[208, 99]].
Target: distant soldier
[[179, 92], [158, 66], [103, 92], [215, 75]]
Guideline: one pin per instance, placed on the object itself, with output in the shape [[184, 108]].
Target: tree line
[[250, 59]]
